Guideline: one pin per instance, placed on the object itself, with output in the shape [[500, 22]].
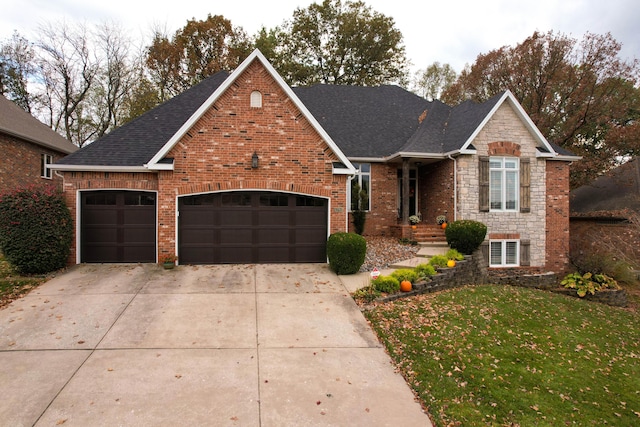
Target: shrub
[[588, 283], [366, 294], [405, 274], [346, 252], [602, 262], [36, 229], [438, 261], [465, 235], [424, 271], [386, 284], [454, 254]]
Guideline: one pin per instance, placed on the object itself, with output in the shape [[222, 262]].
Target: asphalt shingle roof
[[17, 122], [364, 122], [136, 142]]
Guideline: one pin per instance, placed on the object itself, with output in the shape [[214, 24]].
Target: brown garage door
[[118, 226], [252, 227]]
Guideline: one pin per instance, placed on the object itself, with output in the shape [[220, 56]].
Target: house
[[606, 212], [28, 149], [241, 168]]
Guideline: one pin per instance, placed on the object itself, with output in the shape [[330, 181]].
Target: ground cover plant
[[12, 285], [499, 355]]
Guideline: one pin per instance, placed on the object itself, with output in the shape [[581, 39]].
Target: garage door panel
[[274, 218], [251, 227], [199, 235], [235, 236], [236, 218], [118, 226], [274, 235]]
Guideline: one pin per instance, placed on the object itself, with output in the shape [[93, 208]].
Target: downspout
[[455, 187]]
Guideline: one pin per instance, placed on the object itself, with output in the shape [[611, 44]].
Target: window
[[45, 161], [503, 183], [362, 179], [504, 253], [256, 99]]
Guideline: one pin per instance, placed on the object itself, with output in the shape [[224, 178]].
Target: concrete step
[[429, 251], [409, 263]]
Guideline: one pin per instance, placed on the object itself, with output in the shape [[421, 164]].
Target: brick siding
[[21, 164], [557, 251], [215, 155]]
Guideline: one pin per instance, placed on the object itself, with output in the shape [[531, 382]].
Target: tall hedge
[[346, 252], [465, 235], [36, 229]]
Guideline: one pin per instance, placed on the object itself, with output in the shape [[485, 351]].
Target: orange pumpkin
[[451, 263], [405, 286], [444, 225]]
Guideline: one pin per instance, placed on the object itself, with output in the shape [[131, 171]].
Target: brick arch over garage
[[307, 189]]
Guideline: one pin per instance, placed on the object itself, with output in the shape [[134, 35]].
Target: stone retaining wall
[[472, 272]]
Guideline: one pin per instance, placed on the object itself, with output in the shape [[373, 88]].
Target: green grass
[[494, 355]]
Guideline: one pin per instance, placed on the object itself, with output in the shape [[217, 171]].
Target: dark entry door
[[118, 226], [252, 227]]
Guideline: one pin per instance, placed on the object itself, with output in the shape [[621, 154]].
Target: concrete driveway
[[243, 345]]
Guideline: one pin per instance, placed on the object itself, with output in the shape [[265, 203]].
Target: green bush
[[405, 274], [465, 235], [438, 261], [346, 252], [424, 271], [36, 229], [386, 284], [454, 254], [588, 283]]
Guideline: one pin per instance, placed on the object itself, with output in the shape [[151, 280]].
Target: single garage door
[[118, 226], [252, 227]]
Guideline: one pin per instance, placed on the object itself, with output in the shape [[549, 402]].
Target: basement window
[[256, 99]]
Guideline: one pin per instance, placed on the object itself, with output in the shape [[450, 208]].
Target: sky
[[453, 32]]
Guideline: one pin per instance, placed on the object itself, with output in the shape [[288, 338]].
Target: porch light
[[254, 160]]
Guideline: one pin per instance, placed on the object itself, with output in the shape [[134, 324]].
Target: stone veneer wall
[[506, 126]]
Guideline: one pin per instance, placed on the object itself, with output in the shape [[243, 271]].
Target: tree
[[580, 95], [339, 43], [16, 68], [198, 50], [68, 70], [431, 82]]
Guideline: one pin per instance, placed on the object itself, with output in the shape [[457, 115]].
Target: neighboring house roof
[[358, 123], [16, 122], [610, 194]]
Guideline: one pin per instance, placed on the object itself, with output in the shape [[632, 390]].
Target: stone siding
[[505, 126]]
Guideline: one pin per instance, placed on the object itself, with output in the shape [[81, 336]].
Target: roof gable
[[256, 55], [18, 123], [495, 103]]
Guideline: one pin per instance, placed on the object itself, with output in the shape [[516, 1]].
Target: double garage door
[[235, 227]]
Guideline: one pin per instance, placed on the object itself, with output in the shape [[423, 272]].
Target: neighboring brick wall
[[74, 181], [557, 216], [215, 155], [505, 126], [595, 236], [21, 164], [437, 193]]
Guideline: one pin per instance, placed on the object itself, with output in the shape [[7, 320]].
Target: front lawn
[[500, 355], [12, 285]]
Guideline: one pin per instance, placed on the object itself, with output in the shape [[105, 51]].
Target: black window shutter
[[483, 175]]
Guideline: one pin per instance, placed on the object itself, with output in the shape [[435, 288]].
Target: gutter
[[98, 168]]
